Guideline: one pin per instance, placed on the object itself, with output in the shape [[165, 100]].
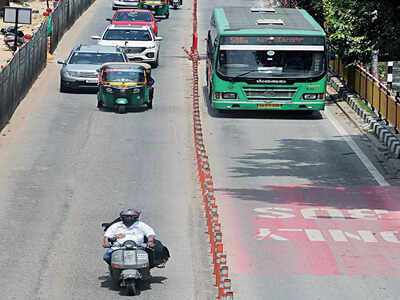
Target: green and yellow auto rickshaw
[[123, 86], [159, 8]]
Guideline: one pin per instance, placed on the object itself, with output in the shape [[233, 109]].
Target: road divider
[[216, 249]]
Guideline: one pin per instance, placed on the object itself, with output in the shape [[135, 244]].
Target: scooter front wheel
[[131, 287]]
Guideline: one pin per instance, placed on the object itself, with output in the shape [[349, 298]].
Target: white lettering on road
[[311, 213], [341, 236], [265, 232], [366, 214], [390, 236], [316, 235], [321, 213]]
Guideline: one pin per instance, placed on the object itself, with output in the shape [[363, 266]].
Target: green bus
[[266, 59]]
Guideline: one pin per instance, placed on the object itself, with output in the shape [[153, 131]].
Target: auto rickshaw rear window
[[119, 75]]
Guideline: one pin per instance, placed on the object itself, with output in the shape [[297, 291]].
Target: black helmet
[[129, 216]]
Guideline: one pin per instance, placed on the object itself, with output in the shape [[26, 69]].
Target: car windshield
[[133, 16], [127, 35], [270, 64], [95, 58], [118, 75]]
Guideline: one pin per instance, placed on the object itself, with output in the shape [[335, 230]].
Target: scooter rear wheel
[[121, 109], [131, 287]]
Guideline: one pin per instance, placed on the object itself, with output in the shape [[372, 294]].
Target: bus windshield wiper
[[243, 74]]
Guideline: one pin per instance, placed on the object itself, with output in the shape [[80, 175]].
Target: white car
[[139, 42], [119, 4]]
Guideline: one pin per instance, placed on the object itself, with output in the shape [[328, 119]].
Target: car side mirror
[[108, 19], [95, 37], [159, 38], [61, 62]]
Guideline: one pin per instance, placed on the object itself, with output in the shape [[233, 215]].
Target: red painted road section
[[312, 230]]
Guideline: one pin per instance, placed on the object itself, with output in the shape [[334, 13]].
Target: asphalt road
[[305, 213], [66, 167], [306, 209]]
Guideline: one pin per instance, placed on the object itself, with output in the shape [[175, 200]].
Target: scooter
[[129, 264], [9, 37]]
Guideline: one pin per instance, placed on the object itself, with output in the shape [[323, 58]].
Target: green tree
[[355, 26], [314, 8]]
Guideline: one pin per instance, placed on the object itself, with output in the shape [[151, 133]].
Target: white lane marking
[[364, 159]]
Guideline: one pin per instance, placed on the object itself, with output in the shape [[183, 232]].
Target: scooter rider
[[130, 224]]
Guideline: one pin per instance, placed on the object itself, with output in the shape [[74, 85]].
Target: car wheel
[[63, 88]]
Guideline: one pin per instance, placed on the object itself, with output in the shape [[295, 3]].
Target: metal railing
[[64, 15], [371, 90], [29, 60], [19, 74]]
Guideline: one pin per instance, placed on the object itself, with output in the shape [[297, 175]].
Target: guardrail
[[371, 90]]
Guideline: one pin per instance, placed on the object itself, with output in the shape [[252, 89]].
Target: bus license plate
[[269, 106]]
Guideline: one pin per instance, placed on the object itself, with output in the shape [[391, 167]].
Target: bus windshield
[[270, 64]]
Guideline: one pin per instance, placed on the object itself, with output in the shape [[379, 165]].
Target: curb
[[381, 131]]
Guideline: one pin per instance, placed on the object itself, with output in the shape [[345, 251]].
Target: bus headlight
[[310, 96], [229, 95], [313, 96]]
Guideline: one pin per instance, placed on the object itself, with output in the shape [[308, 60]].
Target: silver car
[[80, 70]]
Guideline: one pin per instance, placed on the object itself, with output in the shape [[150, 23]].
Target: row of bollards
[[216, 249]]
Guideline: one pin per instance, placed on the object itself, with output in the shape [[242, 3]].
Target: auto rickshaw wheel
[[99, 104], [121, 109], [167, 16], [149, 105]]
